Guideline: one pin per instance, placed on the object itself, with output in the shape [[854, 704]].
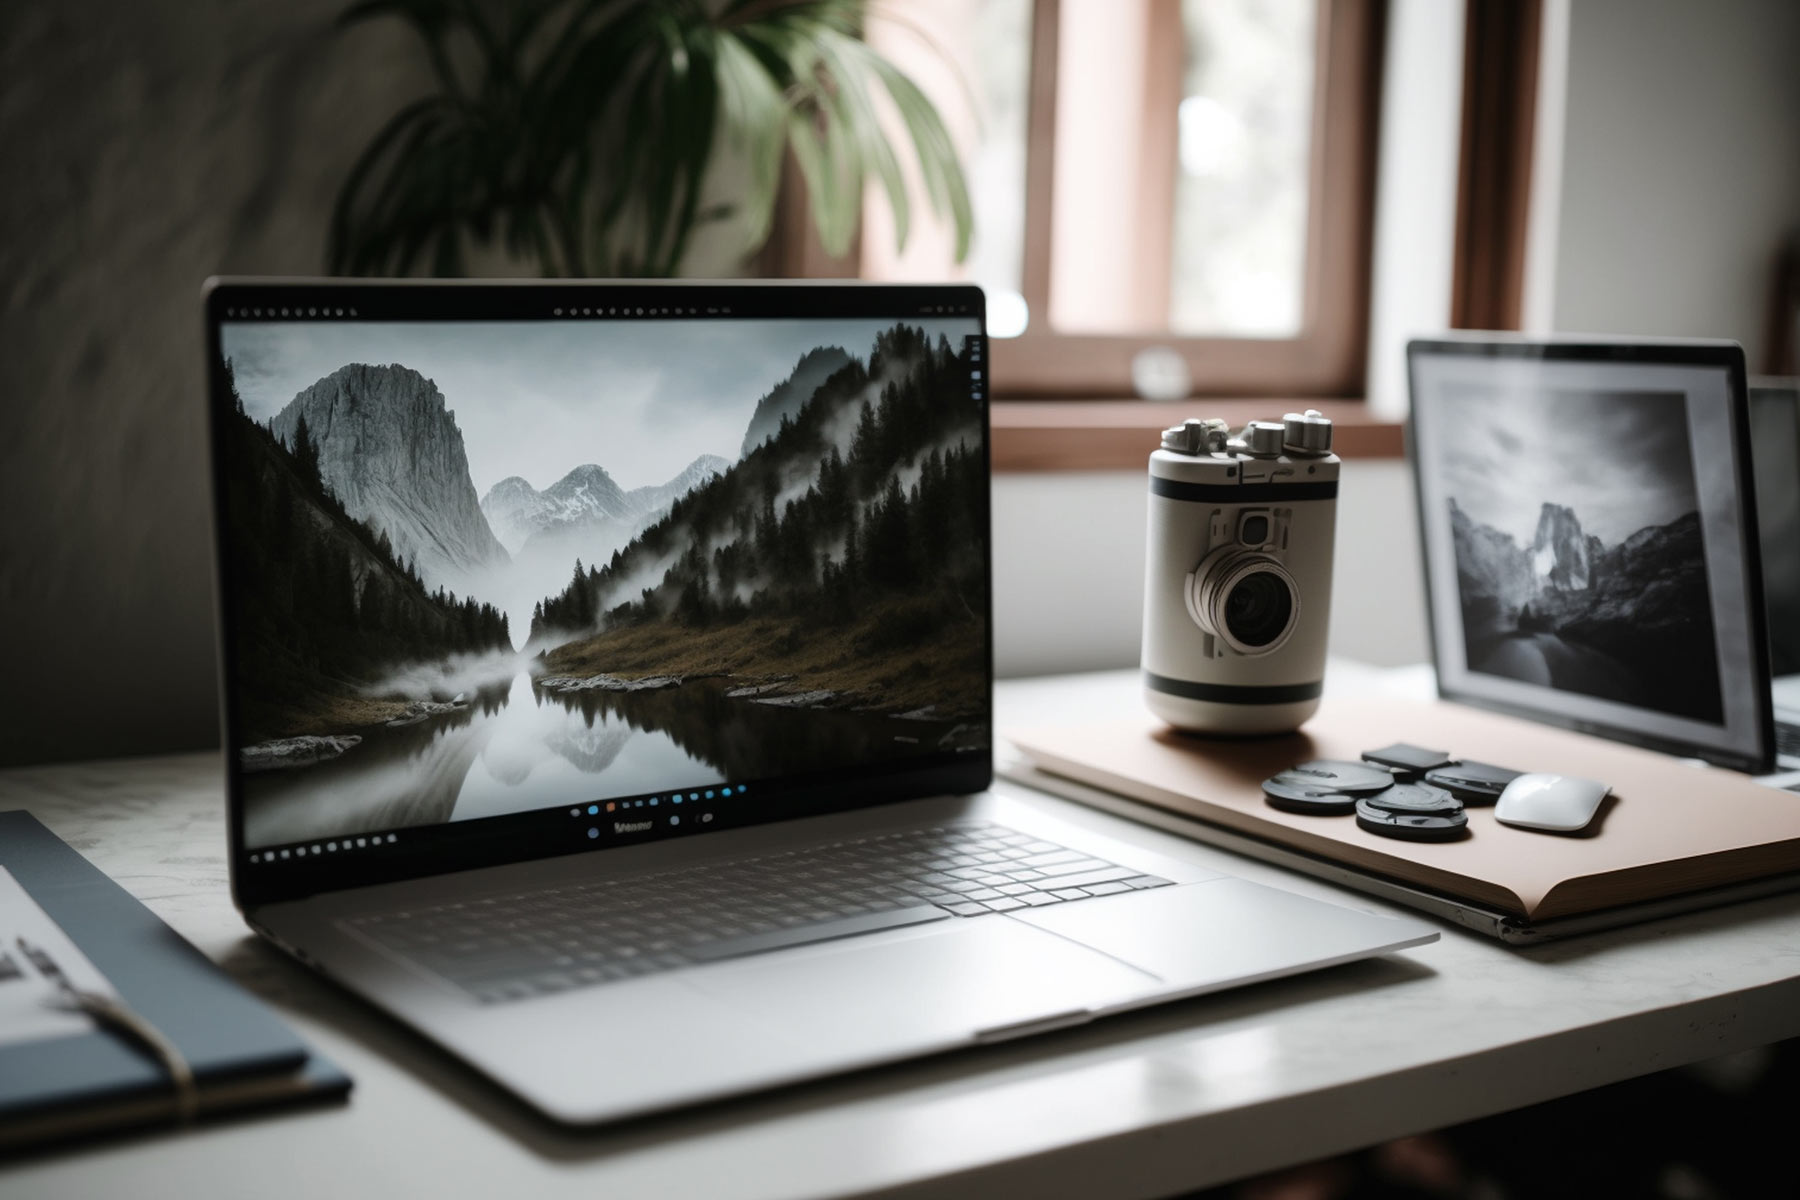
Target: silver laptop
[[608, 691], [1775, 441]]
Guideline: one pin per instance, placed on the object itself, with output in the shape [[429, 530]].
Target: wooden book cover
[[1668, 827]]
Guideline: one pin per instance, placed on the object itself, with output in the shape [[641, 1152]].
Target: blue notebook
[[241, 1053]]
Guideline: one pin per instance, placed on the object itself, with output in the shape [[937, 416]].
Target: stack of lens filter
[[1399, 791], [1382, 805]]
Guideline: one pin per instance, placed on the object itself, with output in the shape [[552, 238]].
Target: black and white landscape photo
[[480, 569], [1579, 555]]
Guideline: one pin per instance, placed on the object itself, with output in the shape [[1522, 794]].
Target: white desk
[[1148, 1104]]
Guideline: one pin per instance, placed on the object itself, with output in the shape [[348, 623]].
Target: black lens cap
[[1408, 760], [1472, 782], [1414, 798], [1310, 799], [1412, 826], [1323, 773]]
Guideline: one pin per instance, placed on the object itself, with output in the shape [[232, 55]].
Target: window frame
[[1326, 359], [1065, 402], [1493, 195]]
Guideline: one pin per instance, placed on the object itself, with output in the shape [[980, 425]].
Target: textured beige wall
[[145, 147], [1680, 174]]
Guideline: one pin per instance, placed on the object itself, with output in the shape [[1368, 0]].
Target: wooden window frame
[[1493, 187], [1042, 378]]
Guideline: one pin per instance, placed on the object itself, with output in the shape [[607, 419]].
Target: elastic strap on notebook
[[126, 1020], [110, 1012]]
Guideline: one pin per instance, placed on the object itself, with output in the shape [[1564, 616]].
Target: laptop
[[608, 691], [1775, 441]]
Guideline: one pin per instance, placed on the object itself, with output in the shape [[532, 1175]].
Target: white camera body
[[1237, 592]]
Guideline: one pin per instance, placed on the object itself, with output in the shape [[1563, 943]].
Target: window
[[1190, 174]]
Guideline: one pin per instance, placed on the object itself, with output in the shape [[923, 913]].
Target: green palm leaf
[[578, 134]]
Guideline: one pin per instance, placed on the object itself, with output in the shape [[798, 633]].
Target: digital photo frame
[[1589, 532]]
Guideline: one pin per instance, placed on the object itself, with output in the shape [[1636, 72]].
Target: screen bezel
[[548, 833], [1726, 356]]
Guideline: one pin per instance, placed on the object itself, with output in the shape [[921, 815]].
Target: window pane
[[1245, 134], [973, 58], [1117, 69], [1181, 164]]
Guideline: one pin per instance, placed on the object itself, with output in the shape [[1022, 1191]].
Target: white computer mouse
[[1558, 803]]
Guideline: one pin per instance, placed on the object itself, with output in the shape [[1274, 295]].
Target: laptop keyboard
[[1787, 739], [501, 948]]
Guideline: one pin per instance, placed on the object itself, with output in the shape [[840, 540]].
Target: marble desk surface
[[1147, 1104]]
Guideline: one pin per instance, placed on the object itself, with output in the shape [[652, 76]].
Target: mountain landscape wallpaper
[[479, 569], [1580, 563]]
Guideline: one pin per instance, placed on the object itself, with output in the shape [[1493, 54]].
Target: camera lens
[[1258, 609], [1245, 598], [1255, 530]]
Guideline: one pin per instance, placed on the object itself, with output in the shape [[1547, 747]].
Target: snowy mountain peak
[[587, 500], [652, 502], [587, 490], [512, 488], [515, 510]]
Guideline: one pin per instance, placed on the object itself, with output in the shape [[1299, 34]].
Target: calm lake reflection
[[516, 747]]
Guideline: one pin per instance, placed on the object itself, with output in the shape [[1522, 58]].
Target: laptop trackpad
[[937, 987], [1224, 931]]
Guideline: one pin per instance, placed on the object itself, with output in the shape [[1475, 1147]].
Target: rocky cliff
[[1654, 596], [1559, 551], [390, 449], [1493, 575]]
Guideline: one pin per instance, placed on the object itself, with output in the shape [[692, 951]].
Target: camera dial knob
[[1307, 433], [1196, 436], [1263, 439]]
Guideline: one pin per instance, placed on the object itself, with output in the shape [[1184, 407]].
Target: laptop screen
[[578, 567]]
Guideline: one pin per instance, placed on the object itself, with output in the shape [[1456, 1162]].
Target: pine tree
[[306, 455], [581, 597], [890, 542]]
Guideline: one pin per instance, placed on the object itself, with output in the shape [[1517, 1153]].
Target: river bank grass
[[888, 660], [315, 712]]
